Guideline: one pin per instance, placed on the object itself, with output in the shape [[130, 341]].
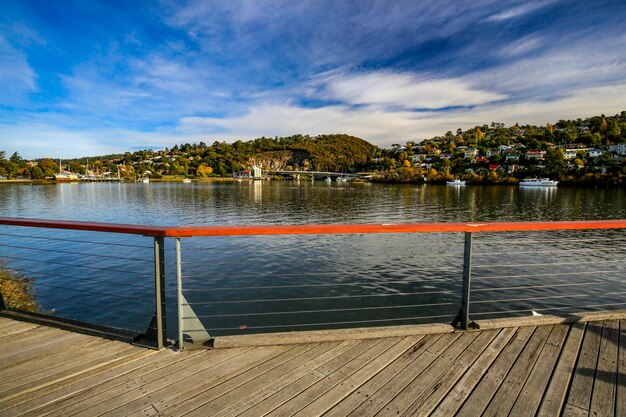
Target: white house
[[619, 149], [570, 154], [471, 153]]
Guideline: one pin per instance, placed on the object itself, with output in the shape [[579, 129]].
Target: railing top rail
[[314, 229]]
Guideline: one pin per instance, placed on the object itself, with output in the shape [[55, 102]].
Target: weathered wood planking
[[555, 369]]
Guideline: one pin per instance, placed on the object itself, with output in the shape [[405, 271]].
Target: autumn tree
[[204, 171]]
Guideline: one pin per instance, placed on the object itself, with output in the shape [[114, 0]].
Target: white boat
[[538, 182], [66, 177], [327, 179], [455, 182], [186, 180], [342, 179], [145, 180]]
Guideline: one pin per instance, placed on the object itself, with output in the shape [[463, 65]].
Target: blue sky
[[80, 78]]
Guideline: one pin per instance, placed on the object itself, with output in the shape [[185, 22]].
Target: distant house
[[512, 168], [512, 157], [481, 160], [535, 154], [491, 152], [471, 153], [579, 146], [594, 153], [619, 149], [494, 166], [503, 148], [570, 154]]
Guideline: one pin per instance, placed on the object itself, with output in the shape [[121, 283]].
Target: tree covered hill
[[567, 150]]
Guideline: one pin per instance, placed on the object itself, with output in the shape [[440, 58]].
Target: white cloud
[[384, 127], [375, 124], [521, 46], [403, 90], [518, 11], [17, 78]]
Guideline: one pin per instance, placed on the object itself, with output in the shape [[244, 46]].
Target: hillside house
[[537, 155]]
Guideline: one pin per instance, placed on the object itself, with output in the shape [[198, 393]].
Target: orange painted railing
[[313, 229]]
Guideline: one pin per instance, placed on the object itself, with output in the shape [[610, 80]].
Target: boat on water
[[538, 182], [66, 177], [455, 182], [327, 179], [342, 179], [186, 180], [145, 180]]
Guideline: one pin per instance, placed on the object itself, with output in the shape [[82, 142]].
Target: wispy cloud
[[17, 78], [518, 11], [405, 90]]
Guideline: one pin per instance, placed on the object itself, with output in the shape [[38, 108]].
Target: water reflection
[[401, 275]]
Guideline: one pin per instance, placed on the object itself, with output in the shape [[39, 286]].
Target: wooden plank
[[507, 393], [352, 382], [550, 319], [554, 397], [56, 357], [603, 395], [13, 328], [198, 383], [482, 394], [30, 339], [209, 390], [256, 393], [332, 378], [620, 400], [53, 373], [48, 344], [464, 386], [425, 402], [582, 384], [532, 392], [381, 397], [383, 378], [242, 391], [86, 396], [34, 397], [337, 335], [403, 397], [145, 386]]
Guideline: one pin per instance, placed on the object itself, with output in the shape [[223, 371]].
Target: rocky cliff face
[[281, 160]]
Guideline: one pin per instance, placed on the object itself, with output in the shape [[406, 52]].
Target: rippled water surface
[[269, 283]]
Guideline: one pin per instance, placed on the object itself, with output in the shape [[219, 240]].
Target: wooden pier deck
[[547, 370]]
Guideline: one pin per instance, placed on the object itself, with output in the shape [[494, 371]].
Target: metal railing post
[[467, 278], [179, 294], [462, 317], [159, 290]]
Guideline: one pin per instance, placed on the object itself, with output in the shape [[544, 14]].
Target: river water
[[251, 284]]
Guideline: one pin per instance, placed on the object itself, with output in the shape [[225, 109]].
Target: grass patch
[[17, 290]]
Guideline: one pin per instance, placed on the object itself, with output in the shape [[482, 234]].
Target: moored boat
[[538, 182], [456, 182]]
